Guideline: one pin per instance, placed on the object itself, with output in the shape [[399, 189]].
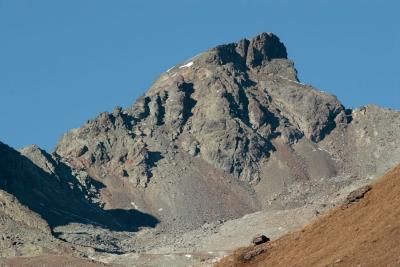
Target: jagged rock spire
[[254, 52]]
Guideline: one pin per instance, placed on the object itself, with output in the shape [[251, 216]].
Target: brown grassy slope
[[365, 233]]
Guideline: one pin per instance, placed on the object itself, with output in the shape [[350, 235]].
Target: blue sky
[[63, 62]]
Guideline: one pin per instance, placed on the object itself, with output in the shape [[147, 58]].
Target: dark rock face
[[251, 53], [254, 252], [358, 194], [260, 239]]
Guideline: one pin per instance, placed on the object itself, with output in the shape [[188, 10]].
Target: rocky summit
[[227, 133]]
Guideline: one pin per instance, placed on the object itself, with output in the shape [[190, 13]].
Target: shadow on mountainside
[[59, 198]]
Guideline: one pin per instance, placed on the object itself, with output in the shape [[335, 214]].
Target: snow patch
[[287, 79], [134, 205], [186, 65], [321, 149]]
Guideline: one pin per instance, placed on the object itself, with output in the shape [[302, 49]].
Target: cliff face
[[225, 132]]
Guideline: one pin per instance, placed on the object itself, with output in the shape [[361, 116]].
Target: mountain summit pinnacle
[[254, 52]]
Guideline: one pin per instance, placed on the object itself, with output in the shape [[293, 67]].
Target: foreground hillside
[[362, 233]]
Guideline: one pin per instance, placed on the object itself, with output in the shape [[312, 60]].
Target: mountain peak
[[255, 52], [235, 114]]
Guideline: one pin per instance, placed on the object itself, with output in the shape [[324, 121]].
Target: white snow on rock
[[186, 65], [324, 150], [134, 205], [287, 79]]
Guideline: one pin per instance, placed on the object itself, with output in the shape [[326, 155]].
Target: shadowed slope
[[48, 188]]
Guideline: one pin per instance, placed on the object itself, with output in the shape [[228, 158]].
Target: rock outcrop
[[260, 239]]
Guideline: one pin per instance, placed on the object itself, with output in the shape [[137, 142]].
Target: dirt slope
[[363, 233]]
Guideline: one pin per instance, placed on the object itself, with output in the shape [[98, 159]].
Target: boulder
[[249, 255], [260, 239], [358, 194]]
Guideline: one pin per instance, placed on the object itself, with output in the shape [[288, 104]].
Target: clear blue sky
[[63, 62]]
